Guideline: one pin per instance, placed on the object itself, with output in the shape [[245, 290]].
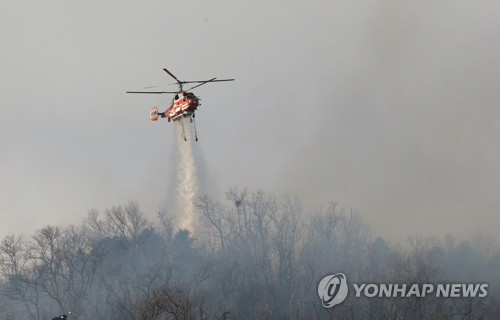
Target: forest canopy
[[256, 256]]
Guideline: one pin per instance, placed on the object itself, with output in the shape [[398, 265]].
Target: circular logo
[[333, 289]]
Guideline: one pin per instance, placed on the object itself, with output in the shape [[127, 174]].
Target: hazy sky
[[387, 107]]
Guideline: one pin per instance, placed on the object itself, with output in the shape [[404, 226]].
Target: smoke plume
[[187, 180]]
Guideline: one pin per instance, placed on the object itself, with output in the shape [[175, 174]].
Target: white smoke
[[187, 179]]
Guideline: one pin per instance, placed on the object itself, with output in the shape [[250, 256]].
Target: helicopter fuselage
[[184, 103]]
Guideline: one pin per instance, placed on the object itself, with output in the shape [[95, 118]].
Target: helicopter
[[183, 105]]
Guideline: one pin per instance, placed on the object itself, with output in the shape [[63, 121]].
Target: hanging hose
[[194, 123]]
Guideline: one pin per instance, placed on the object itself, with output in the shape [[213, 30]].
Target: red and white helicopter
[[184, 103]]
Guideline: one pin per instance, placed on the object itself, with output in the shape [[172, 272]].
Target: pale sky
[[390, 108]]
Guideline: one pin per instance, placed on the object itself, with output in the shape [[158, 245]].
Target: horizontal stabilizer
[[153, 114]]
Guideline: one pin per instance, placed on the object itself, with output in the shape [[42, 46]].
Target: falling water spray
[[187, 179]]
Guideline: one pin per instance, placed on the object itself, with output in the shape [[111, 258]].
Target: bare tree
[[177, 304]]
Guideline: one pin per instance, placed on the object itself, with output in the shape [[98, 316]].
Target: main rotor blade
[[153, 92], [203, 81], [151, 87], [201, 84], [221, 80], [170, 73]]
